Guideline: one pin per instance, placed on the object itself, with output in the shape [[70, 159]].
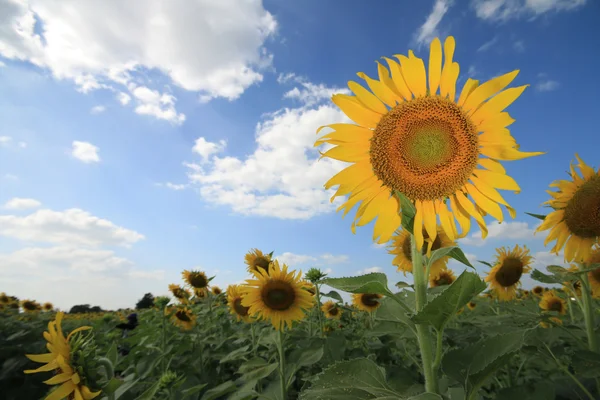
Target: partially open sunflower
[[4, 299], [504, 278], [234, 300], [196, 279], [331, 310], [431, 146], [401, 248], [184, 318], [552, 302], [444, 276], [575, 221], [179, 293], [256, 260], [368, 302], [277, 295]]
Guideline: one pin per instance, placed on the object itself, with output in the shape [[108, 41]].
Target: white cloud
[[292, 259], [502, 10], [214, 48], [331, 259], [487, 45], [123, 98], [379, 245], [547, 86], [176, 186], [369, 270], [428, 30], [69, 227], [505, 230], [311, 93], [206, 149], [84, 151], [544, 258], [18, 203], [98, 109], [5, 140], [161, 106]]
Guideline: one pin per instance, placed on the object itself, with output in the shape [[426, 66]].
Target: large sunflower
[[234, 300], [60, 360], [368, 302], [256, 260], [196, 279], [277, 295], [426, 145], [331, 310], [575, 221], [552, 302], [400, 247], [184, 318], [444, 276], [505, 276]]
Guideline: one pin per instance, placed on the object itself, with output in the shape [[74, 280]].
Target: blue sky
[[180, 136]]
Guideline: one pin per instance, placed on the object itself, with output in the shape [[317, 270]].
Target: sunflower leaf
[[391, 311], [485, 263], [538, 216], [401, 285], [590, 268], [334, 295], [407, 210], [452, 251], [371, 283], [459, 256], [544, 278], [438, 311]]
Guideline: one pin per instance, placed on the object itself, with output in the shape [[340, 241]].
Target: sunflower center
[[437, 244], [555, 305], [333, 311], [537, 290], [198, 281], [239, 308], [426, 148], [262, 262], [582, 214], [510, 272], [278, 295], [370, 300], [183, 316], [29, 305], [443, 279]]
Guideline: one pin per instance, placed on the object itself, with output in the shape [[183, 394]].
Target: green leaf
[[150, 392], [237, 354], [426, 396], [219, 391], [359, 379], [586, 364], [589, 268], [557, 269], [541, 277], [485, 263], [459, 256], [401, 285], [334, 295], [408, 211], [370, 283], [112, 354], [538, 216], [391, 311], [440, 309], [260, 372], [193, 390], [537, 391]]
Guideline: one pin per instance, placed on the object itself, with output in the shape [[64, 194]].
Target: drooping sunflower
[[368, 302], [552, 302], [30, 306], [471, 305], [443, 277], [426, 145], [196, 279], [234, 300], [60, 360], [504, 278], [277, 295], [216, 290], [575, 221], [400, 247], [538, 291], [256, 260], [183, 317], [48, 306], [331, 310], [181, 294]]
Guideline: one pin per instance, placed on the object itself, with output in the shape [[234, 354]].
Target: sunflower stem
[[423, 334], [318, 292], [438, 350], [566, 371], [282, 365], [588, 313]]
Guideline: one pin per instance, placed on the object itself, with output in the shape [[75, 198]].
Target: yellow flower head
[[368, 302], [196, 279], [48, 306], [30, 306], [400, 247], [179, 293], [575, 221], [552, 302], [256, 260], [538, 291], [183, 317], [471, 305], [433, 146], [234, 300], [504, 278], [216, 290], [4, 299], [277, 295], [331, 310], [444, 277]]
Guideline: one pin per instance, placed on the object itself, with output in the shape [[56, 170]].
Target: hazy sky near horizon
[[136, 142]]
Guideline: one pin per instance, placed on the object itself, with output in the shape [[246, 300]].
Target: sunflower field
[[424, 160]]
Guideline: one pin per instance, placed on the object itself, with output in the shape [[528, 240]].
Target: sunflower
[[310, 288], [538, 291], [30, 306], [594, 276], [196, 279], [256, 260], [48, 306], [200, 293], [471, 305], [443, 277], [277, 295], [525, 293], [216, 290], [575, 221], [551, 302], [60, 360], [368, 302], [400, 247], [554, 320], [331, 310], [179, 293], [234, 300], [4, 299], [184, 318], [426, 145], [504, 277]]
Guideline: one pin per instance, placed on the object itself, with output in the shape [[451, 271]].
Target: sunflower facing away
[[184, 318], [196, 279], [256, 260], [400, 247], [443, 277], [504, 278], [331, 310], [525, 294], [368, 302], [59, 360], [431, 146], [277, 295], [552, 302], [234, 300], [179, 293], [594, 276], [575, 221]]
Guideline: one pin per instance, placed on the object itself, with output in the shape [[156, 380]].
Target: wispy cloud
[[547, 85], [428, 30], [487, 45]]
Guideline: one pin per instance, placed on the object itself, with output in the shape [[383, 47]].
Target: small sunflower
[[368, 302], [331, 310], [504, 277], [552, 302], [200, 293], [400, 247], [256, 260], [554, 320], [60, 360], [4, 299], [434, 148], [575, 221], [179, 293], [196, 279], [525, 293], [216, 290], [183, 317], [30, 306], [48, 306], [443, 277], [234, 300], [277, 295], [471, 305]]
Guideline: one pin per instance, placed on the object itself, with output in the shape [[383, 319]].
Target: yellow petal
[[496, 104], [587, 171], [387, 82], [355, 173], [447, 85], [356, 111], [500, 121], [41, 358], [413, 70], [398, 79], [430, 219], [347, 153], [492, 165], [487, 190], [488, 89], [56, 379], [435, 65], [466, 204], [346, 133], [62, 392], [461, 215], [500, 136], [500, 152], [387, 221], [380, 90], [470, 85], [497, 180], [367, 98], [446, 219], [373, 207], [485, 203], [418, 225]]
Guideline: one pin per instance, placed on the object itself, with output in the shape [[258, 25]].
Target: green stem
[[570, 306], [566, 370], [588, 313], [322, 334], [423, 334], [438, 350], [282, 366], [163, 344]]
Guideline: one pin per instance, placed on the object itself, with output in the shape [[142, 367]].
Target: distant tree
[[145, 302], [84, 308]]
